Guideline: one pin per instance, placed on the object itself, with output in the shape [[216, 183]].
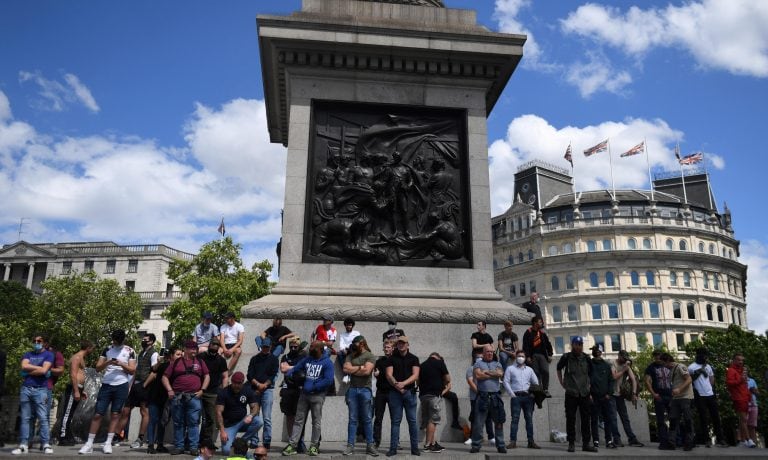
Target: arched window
[[520, 258], [530, 254], [673, 278], [710, 314], [706, 280], [511, 260], [610, 280], [591, 246], [555, 283], [701, 246], [632, 243], [683, 245], [676, 311], [670, 244], [553, 250], [712, 248], [650, 279], [593, 281], [573, 313], [512, 290], [687, 279], [635, 278], [647, 243], [691, 307], [569, 284], [724, 252], [716, 281], [557, 314], [720, 314], [522, 289], [607, 245], [567, 248]]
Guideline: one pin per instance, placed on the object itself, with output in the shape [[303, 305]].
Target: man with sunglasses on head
[[35, 371]]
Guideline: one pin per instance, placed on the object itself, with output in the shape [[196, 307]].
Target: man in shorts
[[736, 379], [204, 332], [434, 382], [232, 336], [118, 363]]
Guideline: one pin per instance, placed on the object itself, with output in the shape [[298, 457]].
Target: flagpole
[[573, 175], [682, 175], [610, 162], [648, 162]]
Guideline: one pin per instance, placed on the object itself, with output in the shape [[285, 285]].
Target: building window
[[593, 281], [597, 311], [691, 307], [610, 280], [530, 254], [701, 246], [533, 286], [553, 250], [607, 245], [650, 279], [694, 337], [656, 338], [733, 316], [573, 313], [635, 278], [567, 248], [520, 258], [683, 245], [676, 310], [557, 314], [591, 246], [615, 342], [739, 313], [706, 280], [647, 243], [723, 252], [522, 289], [66, 267], [569, 282], [110, 268], [510, 260], [687, 279], [130, 285], [720, 314], [631, 243], [730, 254], [88, 266], [680, 340], [133, 265], [641, 339], [673, 278], [716, 281], [555, 283], [613, 310], [637, 307], [559, 345], [712, 248], [512, 290], [670, 244], [710, 315], [653, 308]]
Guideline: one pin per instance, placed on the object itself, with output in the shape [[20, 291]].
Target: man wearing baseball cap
[[573, 372], [262, 372], [237, 410], [205, 331]]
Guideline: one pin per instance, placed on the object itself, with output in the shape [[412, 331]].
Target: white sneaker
[[751, 443], [86, 449], [137, 444], [492, 441], [107, 449], [468, 442], [47, 449], [22, 449]]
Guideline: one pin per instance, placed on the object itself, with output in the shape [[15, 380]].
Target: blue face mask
[[38, 346]]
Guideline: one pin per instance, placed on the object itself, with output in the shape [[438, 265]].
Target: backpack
[[625, 388], [187, 370]]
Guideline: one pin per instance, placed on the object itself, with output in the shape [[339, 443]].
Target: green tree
[[214, 280], [15, 302]]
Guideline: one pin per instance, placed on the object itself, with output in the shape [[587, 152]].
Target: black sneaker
[[667, 446], [391, 453], [416, 452], [571, 447], [588, 448], [501, 450], [267, 445], [436, 448], [66, 442], [151, 449], [610, 445], [161, 449], [636, 443], [474, 450], [175, 451]]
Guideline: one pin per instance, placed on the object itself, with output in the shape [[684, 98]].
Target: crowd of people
[[196, 387]]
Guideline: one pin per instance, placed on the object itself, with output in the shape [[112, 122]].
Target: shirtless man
[[74, 393]]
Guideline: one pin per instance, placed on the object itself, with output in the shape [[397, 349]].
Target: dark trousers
[[489, 431], [379, 405], [453, 400], [661, 407], [572, 404], [680, 415], [210, 426], [621, 411], [602, 407], [70, 405], [706, 407], [540, 366]]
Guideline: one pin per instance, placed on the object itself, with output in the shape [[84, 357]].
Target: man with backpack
[[682, 399], [573, 372], [186, 379], [626, 388]]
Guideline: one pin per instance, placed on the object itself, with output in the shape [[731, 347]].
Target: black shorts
[[289, 401], [138, 395]]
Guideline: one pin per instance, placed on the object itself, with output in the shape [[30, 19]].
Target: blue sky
[[143, 121]]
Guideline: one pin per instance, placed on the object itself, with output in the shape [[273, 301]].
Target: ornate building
[[141, 268], [621, 269]]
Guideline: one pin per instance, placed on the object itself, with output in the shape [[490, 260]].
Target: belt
[[489, 392], [521, 393]]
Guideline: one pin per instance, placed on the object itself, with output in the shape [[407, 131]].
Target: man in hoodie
[[601, 389], [318, 376]]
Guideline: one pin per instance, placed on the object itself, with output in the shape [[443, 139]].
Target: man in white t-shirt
[[232, 335], [703, 378], [118, 363], [345, 340]]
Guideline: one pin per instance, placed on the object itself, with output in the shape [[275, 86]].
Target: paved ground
[[454, 451]]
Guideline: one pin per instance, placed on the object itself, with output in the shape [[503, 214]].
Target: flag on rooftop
[[601, 147], [221, 228], [568, 157], [692, 159], [639, 148]]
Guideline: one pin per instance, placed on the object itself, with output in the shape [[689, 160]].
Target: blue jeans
[[621, 411], [34, 399], [267, 398], [251, 431], [504, 358], [526, 404], [488, 405], [186, 410], [359, 404], [156, 425], [398, 402], [277, 348]]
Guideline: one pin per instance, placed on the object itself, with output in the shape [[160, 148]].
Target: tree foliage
[[71, 308], [214, 280]]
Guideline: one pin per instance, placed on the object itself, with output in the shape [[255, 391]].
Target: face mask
[[520, 359], [38, 346], [144, 345]]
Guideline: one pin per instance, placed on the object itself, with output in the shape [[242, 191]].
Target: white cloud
[[5, 108], [505, 13], [597, 74], [56, 95], [755, 255], [721, 34]]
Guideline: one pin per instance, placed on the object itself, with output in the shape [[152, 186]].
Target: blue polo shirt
[[37, 359]]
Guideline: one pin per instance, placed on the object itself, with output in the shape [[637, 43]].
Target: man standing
[[382, 390], [278, 334], [262, 369], [237, 409], [518, 379], [186, 379], [472, 383], [532, 306], [290, 389], [601, 389], [359, 367], [158, 403], [538, 351], [682, 397], [488, 401], [392, 333], [658, 382], [204, 332], [145, 362], [56, 371], [217, 369], [402, 373], [74, 392], [507, 345], [704, 398], [119, 360], [35, 366], [434, 382], [317, 372], [232, 336], [736, 379], [573, 371], [625, 388], [479, 339]]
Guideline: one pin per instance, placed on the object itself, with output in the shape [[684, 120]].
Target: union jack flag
[[568, 156], [221, 228], [639, 148], [692, 159], [601, 147]]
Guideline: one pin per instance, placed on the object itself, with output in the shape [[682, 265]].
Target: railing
[[160, 295], [126, 250]]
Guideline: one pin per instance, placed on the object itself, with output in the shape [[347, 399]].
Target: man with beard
[[402, 373], [237, 409], [382, 390], [601, 388], [145, 361], [291, 389], [626, 388], [573, 371], [704, 399], [359, 367], [682, 397], [262, 370], [217, 369]]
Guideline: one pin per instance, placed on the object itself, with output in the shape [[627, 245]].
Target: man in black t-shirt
[[392, 333], [532, 306], [237, 409], [382, 390], [217, 369], [290, 390], [434, 382], [262, 371], [159, 410], [277, 334], [402, 374], [479, 339], [507, 345]]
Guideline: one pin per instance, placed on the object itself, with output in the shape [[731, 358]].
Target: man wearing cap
[[392, 333], [573, 372], [118, 363], [624, 378], [488, 373], [217, 369], [207, 450], [204, 332], [518, 379], [601, 388], [237, 410], [185, 380], [278, 335], [382, 390], [262, 369], [358, 365], [402, 372], [538, 351], [232, 336]]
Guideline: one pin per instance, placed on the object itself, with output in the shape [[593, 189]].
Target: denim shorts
[[116, 395]]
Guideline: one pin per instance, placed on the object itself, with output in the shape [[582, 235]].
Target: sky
[[143, 122]]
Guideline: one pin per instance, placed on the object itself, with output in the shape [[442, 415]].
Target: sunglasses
[[38, 341]]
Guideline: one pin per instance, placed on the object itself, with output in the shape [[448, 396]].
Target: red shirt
[[189, 375], [325, 335], [737, 387]]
